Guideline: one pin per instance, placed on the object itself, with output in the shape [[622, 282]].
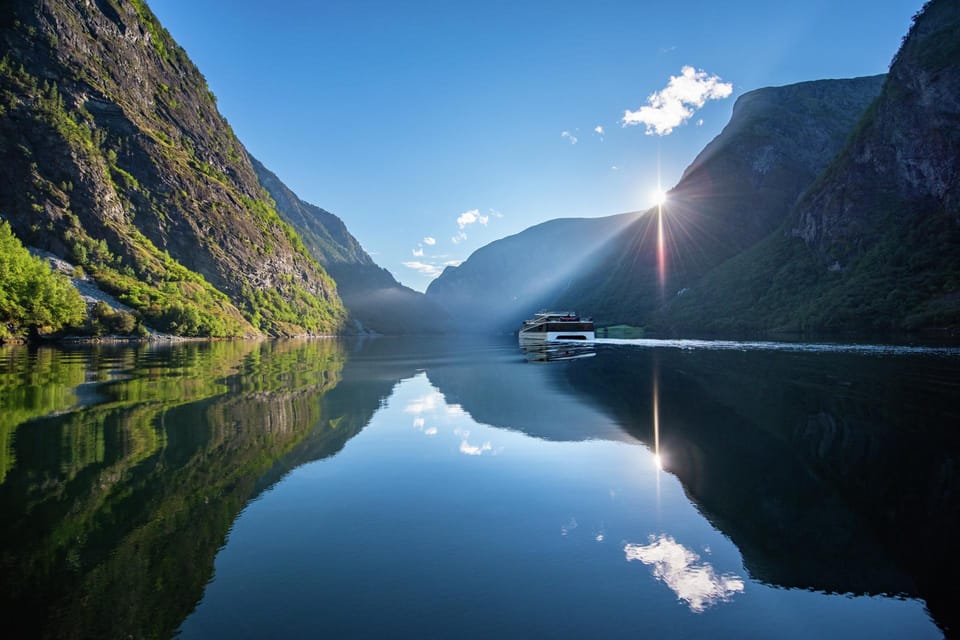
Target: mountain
[[375, 300], [113, 155], [736, 192], [511, 278], [873, 244]]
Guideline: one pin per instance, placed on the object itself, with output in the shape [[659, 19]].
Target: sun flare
[[658, 196]]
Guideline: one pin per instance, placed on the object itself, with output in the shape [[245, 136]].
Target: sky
[[434, 128]]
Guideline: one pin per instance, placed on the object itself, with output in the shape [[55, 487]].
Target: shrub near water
[[33, 299]]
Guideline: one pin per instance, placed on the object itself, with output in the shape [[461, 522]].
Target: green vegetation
[[907, 280], [33, 299], [103, 319], [94, 177]]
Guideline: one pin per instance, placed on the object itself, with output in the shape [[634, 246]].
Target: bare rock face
[[872, 244], [113, 153], [904, 160]]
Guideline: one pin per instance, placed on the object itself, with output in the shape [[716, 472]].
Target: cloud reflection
[[694, 582], [474, 450], [470, 449], [424, 404]]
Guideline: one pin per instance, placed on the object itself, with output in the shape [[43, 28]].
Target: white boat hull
[[543, 337]]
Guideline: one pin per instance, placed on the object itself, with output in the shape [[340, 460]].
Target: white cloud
[[700, 122], [598, 129], [425, 268], [676, 103], [569, 136], [430, 431], [495, 213], [694, 582], [614, 168], [460, 237], [418, 423], [429, 241], [418, 252], [453, 263], [468, 217]]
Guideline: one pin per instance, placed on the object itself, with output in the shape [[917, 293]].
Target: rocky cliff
[[873, 244], [737, 191], [113, 155]]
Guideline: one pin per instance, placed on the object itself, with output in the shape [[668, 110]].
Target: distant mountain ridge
[[509, 279], [324, 234], [375, 300]]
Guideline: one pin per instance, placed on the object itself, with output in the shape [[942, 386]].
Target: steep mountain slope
[[113, 154], [875, 242], [373, 297], [737, 191], [513, 277]]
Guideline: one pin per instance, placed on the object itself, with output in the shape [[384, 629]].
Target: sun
[[658, 196]]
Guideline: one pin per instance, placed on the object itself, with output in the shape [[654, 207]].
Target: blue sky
[[400, 117]]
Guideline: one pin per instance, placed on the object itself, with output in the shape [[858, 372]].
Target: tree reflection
[[114, 510]]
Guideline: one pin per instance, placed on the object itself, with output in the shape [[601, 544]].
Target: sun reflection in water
[[657, 459]]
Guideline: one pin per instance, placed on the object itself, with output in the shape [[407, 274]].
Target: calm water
[[429, 488]]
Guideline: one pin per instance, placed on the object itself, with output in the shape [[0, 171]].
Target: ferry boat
[[556, 326]]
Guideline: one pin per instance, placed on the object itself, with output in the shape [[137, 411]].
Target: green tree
[[33, 299]]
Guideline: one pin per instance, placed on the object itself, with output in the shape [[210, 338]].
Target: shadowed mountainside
[[873, 244], [736, 192]]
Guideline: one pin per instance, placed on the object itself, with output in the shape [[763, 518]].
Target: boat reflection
[[558, 351]]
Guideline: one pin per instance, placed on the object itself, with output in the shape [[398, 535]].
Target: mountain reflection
[[122, 470], [830, 471], [114, 511]]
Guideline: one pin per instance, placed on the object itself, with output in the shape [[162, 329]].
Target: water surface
[[435, 488]]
